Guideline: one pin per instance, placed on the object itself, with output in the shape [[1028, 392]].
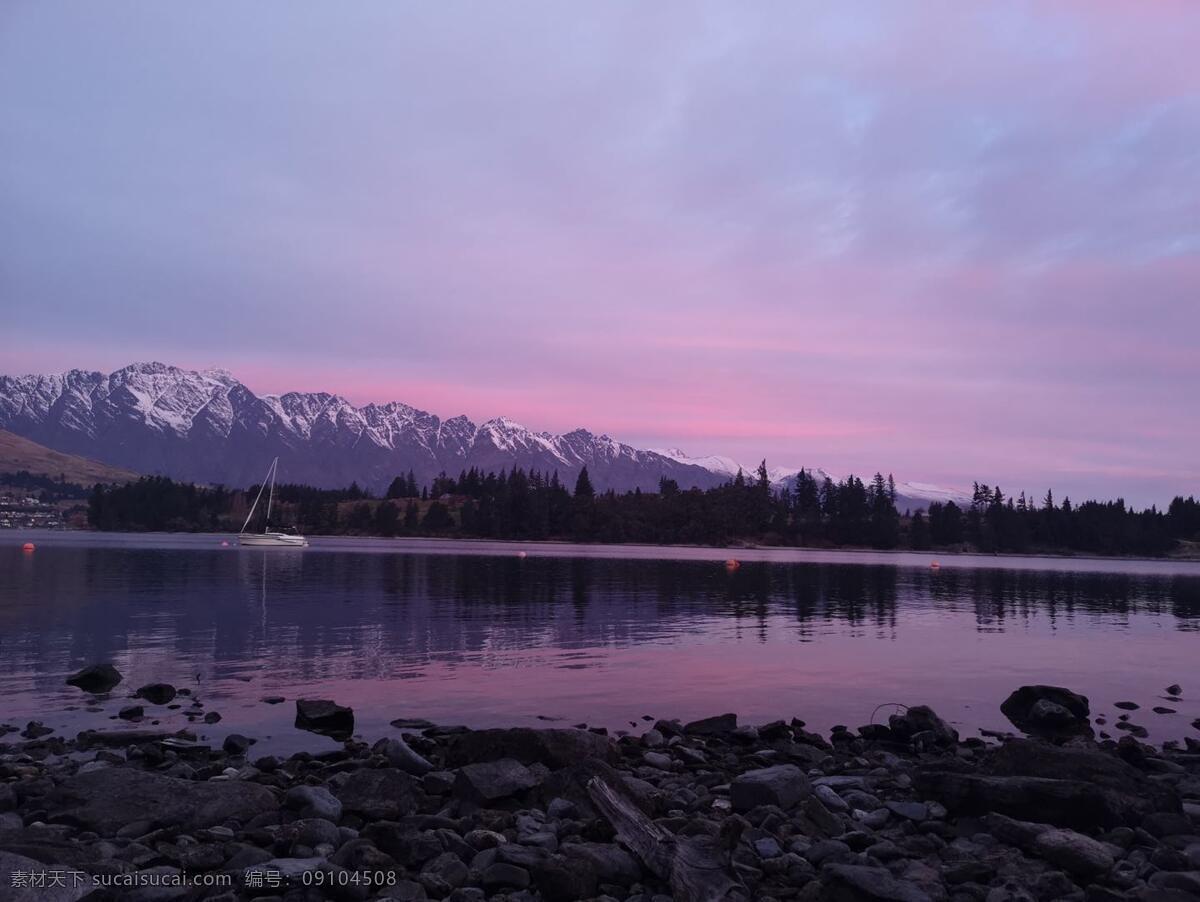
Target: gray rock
[[561, 879], [157, 693], [876, 819], [1047, 713], [1021, 834], [1062, 785], [922, 719], [1185, 881], [319, 715], [236, 744], [11, 864], [502, 874], [827, 851], [783, 785], [767, 847], [1074, 852], [658, 760], [314, 801], [315, 831], [35, 729], [1051, 711], [719, 725], [830, 799], [95, 679], [131, 712], [243, 855], [480, 839], [400, 754], [611, 863], [555, 748], [411, 891], [449, 868], [1010, 890], [1167, 823], [488, 781], [885, 850], [438, 782], [856, 882], [384, 793], [968, 871], [912, 811], [106, 800], [558, 809]]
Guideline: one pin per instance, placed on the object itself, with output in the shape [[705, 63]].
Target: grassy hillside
[[18, 453]]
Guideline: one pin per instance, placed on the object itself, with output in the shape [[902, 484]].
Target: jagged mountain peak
[[208, 427]]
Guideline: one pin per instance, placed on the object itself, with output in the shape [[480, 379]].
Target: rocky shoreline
[[904, 811]]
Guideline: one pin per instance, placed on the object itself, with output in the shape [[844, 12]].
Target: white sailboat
[[268, 539]]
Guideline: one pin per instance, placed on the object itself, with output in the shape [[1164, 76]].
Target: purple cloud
[[954, 240]]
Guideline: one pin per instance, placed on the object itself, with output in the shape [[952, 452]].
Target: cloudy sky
[[953, 240]]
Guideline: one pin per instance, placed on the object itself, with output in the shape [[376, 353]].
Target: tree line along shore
[[516, 504]]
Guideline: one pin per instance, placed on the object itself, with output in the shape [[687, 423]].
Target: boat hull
[[272, 540]]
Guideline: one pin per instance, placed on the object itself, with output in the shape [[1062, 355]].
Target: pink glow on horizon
[[954, 241]]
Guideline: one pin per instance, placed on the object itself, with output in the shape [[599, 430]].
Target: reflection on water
[[497, 639]]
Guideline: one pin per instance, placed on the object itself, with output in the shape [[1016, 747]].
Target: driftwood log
[[696, 867]]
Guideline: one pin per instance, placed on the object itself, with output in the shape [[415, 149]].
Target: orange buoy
[[28, 546], [224, 543], [731, 564], [521, 554], [935, 566]]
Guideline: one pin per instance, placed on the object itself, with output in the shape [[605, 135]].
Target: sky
[[955, 241]]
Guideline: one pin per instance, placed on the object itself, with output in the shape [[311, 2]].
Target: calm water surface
[[461, 632]]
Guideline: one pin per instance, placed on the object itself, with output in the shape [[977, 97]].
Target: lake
[[472, 633]]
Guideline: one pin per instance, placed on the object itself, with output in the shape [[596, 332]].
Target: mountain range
[[207, 427]]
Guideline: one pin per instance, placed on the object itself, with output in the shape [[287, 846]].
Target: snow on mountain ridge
[[209, 427]]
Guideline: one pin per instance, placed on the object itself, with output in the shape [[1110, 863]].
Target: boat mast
[[258, 497], [271, 496]]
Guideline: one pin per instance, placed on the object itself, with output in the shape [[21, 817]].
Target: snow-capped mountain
[[208, 427]]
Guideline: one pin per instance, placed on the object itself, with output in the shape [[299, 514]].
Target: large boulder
[[16, 881], [857, 883], [1069, 803], [570, 784], [384, 793], [611, 863], [96, 678], [489, 781], [1128, 791], [719, 725], [1052, 712], [1080, 855], [784, 785], [553, 748], [314, 802], [106, 800], [921, 721], [157, 693], [319, 715]]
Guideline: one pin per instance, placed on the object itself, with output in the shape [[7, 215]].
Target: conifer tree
[[583, 485]]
